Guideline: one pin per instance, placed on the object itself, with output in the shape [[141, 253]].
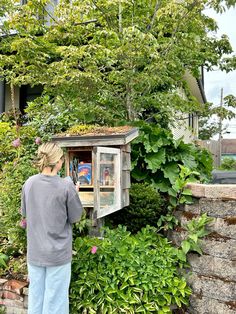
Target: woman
[[50, 205]]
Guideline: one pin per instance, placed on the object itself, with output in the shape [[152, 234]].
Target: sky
[[216, 80]]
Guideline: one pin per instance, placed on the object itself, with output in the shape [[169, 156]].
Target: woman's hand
[[77, 186]]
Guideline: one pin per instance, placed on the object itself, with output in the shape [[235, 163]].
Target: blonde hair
[[48, 155]]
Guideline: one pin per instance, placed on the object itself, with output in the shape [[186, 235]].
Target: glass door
[[107, 198]]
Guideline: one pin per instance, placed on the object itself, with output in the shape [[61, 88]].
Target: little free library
[[100, 162]]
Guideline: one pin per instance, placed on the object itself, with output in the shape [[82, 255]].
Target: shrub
[[7, 136], [12, 179], [126, 273], [228, 163], [15, 168], [157, 158], [146, 207]]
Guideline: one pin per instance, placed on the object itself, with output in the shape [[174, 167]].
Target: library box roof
[[96, 136]]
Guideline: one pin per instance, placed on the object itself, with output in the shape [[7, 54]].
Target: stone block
[[193, 208], [223, 191], [213, 266], [11, 295], [12, 303], [177, 237], [198, 190], [26, 291], [2, 282], [219, 247], [212, 287], [26, 301], [223, 229], [219, 191], [219, 226], [15, 286], [202, 305], [218, 208], [15, 310]]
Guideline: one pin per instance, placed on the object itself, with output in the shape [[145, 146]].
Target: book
[[85, 173]]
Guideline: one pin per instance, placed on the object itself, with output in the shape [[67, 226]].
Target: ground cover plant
[[125, 273]]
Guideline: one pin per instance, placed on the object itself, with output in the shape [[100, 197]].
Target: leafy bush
[[15, 168], [7, 136], [2, 309], [228, 163], [146, 206], [126, 273], [12, 179], [157, 158]]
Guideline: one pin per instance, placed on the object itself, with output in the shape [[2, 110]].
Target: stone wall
[[13, 296], [212, 275]]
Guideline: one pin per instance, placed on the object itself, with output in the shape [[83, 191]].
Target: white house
[[186, 125]]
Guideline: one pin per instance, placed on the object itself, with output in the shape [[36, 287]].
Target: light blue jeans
[[49, 289]]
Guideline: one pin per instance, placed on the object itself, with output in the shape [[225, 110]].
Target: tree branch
[[103, 12], [149, 27]]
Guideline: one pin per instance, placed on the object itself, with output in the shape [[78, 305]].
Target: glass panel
[[107, 180], [108, 185], [107, 170]]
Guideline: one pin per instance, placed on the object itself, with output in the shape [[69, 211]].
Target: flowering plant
[[128, 274], [94, 249]]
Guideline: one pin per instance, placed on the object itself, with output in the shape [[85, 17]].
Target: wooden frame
[[108, 209], [104, 198]]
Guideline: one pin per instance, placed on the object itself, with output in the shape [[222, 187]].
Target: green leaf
[[155, 160], [187, 192], [193, 237], [172, 192], [196, 247], [185, 246], [171, 171], [139, 174]]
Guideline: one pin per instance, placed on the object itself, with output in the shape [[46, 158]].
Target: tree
[[226, 110], [108, 61]]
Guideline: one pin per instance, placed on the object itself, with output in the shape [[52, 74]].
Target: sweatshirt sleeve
[[74, 206], [23, 205]]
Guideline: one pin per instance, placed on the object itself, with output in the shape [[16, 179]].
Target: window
[[27, 94], [191, 120]]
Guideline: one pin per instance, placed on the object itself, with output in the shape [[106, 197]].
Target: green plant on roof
[[81, 129]]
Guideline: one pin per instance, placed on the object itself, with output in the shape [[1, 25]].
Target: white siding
[[185, 125]]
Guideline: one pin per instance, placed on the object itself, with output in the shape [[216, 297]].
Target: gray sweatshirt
[[50, 204]]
